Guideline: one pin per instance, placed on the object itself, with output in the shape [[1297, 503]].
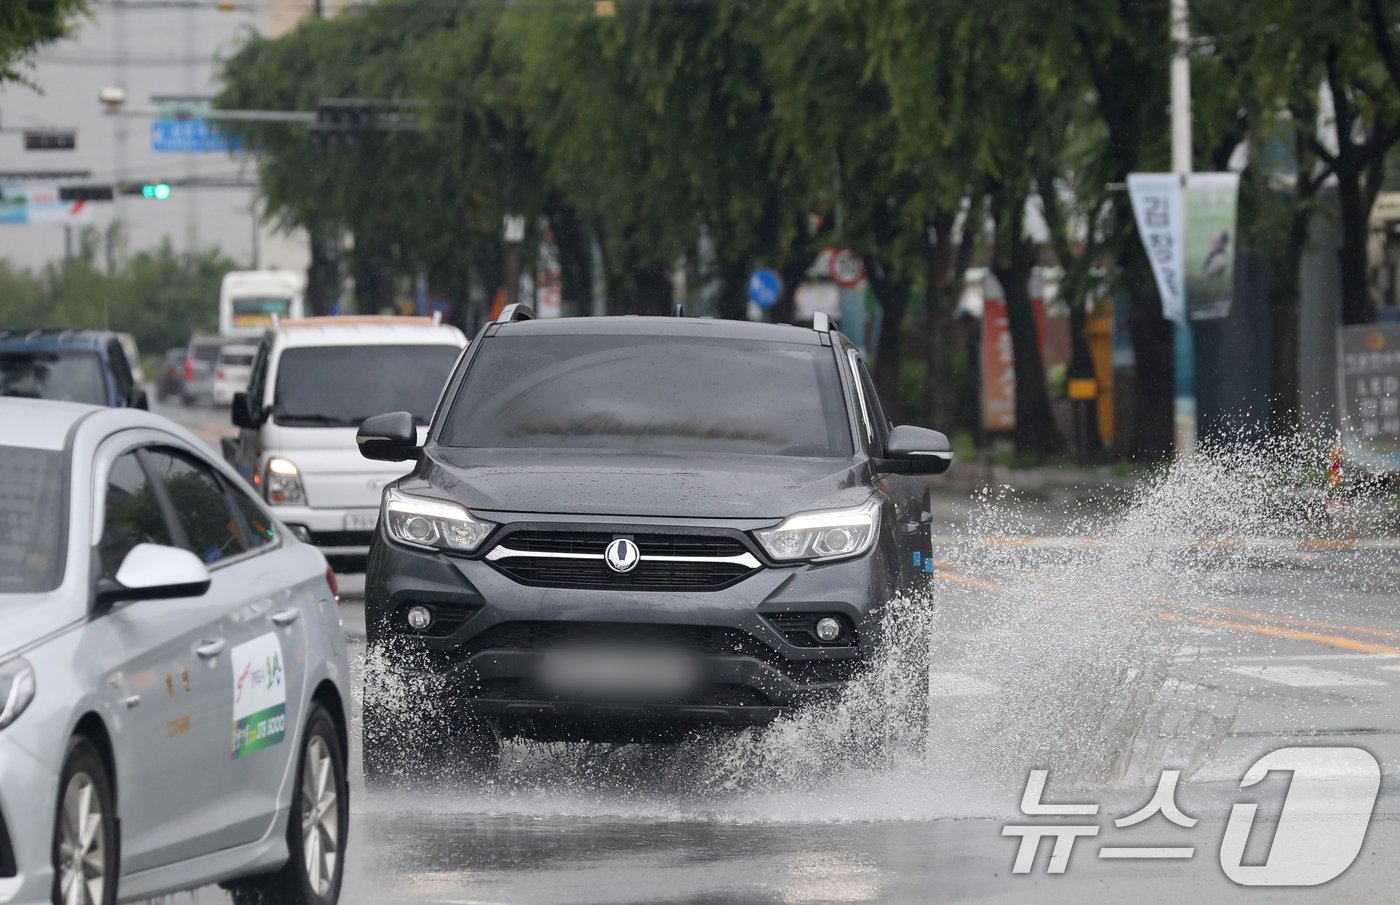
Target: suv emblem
[[622, 555]]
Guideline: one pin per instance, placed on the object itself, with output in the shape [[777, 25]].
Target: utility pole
[[1181, 89], [1185, 407]]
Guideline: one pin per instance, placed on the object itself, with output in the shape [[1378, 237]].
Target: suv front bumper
[[490, 635]]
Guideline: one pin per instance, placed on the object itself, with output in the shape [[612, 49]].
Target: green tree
[[27, 25]]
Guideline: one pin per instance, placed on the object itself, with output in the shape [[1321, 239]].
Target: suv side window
[[131, 514], [877, 411], [200, 503]]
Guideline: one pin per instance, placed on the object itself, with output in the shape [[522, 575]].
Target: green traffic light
[[159, 191]]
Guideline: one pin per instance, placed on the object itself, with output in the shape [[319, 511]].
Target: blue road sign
[[764, 287], [191, 136]]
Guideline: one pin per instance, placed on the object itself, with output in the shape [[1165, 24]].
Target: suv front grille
[[668, 561]]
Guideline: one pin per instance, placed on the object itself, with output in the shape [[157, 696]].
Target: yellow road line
[[1361, 647]]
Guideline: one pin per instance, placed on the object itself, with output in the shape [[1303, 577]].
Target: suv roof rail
[[821, 323], [518, 311]]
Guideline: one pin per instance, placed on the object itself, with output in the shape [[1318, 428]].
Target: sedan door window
[[201, 505], [131, 514]]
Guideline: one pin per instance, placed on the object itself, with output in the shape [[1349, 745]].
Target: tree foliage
[[27, 25], [926, 135]]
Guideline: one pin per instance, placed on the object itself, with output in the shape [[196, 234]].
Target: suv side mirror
[[155, 572], [137, 399], [917, 450], [392, 437], [243, 411]]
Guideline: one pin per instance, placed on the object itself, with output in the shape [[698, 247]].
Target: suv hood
[[594, 482]]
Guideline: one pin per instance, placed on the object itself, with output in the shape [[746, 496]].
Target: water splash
[[1020, 654]]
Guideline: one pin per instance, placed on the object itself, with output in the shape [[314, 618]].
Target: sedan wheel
[[84, 848], [320, 816], [317, 828]]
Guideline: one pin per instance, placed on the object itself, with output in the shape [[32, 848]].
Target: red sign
[[998, 358], [846, 267]]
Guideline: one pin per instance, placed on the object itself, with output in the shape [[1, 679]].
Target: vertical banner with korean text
[[1156, 199], [1368, 360], [1211, 206]]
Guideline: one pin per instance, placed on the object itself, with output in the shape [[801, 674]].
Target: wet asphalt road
[[1298, 649]]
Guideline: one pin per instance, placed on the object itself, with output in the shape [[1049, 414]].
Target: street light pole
[[1185, 406], [1181, 89]]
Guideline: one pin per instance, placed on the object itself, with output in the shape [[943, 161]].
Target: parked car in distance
[[314, 380], [201, 355], [68, 365], [174, 684], [231, 370], [170, 382], [133, 356]]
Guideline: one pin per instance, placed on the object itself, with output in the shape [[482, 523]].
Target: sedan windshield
[[654, 393], [31, 520], [340, 386], [66, 376]]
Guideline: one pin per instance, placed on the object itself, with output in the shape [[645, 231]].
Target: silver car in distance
[[174, 690]]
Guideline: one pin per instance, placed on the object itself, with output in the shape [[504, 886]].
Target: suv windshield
[[655, 393], [31, 520], [340, 386], [70, 376]]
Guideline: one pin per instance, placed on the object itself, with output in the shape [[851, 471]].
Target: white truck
[[249, 299]]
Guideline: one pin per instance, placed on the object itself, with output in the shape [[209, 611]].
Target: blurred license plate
[[622, 673], [361, 521]]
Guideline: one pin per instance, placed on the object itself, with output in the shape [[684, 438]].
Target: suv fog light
[[828, 629], [419, 618]]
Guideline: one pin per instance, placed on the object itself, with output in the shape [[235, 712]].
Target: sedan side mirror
[[917, 450], [243, 412], [391, 437], [155, 572]]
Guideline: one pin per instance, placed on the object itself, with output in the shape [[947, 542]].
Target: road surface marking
[[1306, 676]]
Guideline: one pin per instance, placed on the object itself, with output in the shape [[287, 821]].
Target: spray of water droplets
[[1020, 653]]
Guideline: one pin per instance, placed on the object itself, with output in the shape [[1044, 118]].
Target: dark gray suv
[[624, 528]]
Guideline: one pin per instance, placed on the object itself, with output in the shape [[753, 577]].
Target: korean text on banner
[[1156, 199]]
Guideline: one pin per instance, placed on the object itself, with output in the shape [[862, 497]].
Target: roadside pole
[[1184, 401]]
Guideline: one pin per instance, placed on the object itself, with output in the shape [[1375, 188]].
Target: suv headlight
[[282, 483], [16, 689], [433, 524], [827, 534]]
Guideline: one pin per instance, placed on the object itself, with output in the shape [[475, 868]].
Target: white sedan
[[171, 665]]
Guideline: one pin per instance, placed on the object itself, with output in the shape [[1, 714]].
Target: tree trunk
[[1015, 259], [732, 302], [1154, 348], [892, 294], [1357, 307], [1283, 307], [575, 261], [322, 276]]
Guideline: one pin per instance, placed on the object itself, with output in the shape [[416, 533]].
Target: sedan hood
[[591, 482]]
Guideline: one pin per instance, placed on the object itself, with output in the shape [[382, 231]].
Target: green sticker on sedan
[[259, 696]]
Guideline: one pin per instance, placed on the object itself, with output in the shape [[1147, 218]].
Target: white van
[[250, 300], [313, 382]]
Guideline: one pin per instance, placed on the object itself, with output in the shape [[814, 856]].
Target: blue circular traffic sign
[[764, 287]]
